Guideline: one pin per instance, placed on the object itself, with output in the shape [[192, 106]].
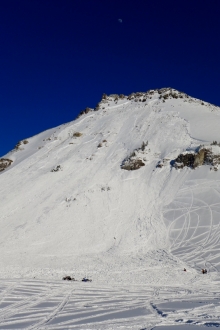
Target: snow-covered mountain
[[121, 188]]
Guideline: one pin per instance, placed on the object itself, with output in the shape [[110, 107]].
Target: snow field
[[35, 304]]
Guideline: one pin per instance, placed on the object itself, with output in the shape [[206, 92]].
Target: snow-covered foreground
[[71, 205], [35, 304]]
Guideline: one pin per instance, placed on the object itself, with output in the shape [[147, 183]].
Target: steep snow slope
[[66, 203]]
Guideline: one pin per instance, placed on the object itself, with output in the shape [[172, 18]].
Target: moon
[[120, 20]]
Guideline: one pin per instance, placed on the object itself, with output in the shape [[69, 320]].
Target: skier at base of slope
[[68, 278], [86, 280]]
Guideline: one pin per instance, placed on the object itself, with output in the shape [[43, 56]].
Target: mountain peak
[[102, 190], [162, 95]]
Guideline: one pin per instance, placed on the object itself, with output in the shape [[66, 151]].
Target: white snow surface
[[131, 232]]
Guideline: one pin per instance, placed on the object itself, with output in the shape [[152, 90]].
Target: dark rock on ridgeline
[[19, 145], [163, 95], [83, 112], [4, 163]]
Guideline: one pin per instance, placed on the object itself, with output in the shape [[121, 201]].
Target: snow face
[[69, 208]]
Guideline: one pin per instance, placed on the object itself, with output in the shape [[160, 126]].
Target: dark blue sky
[[59, 56]]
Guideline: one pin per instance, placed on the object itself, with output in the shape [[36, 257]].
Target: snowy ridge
[[68, 206]]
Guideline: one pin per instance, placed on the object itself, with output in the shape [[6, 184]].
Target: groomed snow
[[67, 208]]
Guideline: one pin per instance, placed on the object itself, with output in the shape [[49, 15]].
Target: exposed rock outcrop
[[4, 163], [135, 160], [161, 95], [19, 144], [86, 110], [132, 164], [77, 134], [203, 155]]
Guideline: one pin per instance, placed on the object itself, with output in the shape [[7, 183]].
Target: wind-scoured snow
[[68, 207]]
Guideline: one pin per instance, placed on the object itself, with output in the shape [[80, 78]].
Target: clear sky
[[59, 56]]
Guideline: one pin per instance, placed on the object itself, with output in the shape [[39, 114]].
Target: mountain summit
[[125, 184]]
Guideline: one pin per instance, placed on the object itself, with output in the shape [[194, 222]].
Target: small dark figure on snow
[[86, 280], [68, 278], [204, 271], [184, 269]]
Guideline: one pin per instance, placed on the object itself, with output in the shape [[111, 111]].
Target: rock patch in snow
[[135, 161], [85, 111], [4, 163], [56, 169], [19, 144], [132, 164], [203, 155], [77, 134]]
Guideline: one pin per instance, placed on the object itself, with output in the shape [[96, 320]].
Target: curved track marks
[[75, 305], [194, 227]]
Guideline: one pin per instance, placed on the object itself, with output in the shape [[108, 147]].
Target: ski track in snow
[[194, 229], [34, 304]]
